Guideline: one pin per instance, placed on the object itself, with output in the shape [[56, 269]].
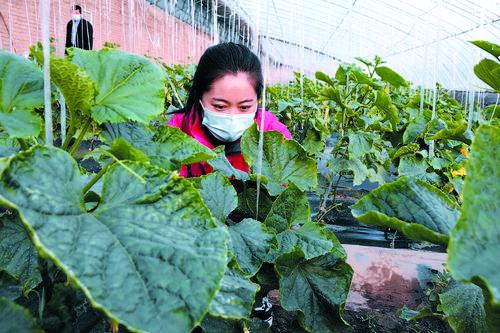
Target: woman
[[223, 103]]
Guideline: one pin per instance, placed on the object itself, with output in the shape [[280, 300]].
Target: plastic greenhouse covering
[[426, 41]]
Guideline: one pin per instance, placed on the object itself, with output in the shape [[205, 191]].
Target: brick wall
[[133, 24]]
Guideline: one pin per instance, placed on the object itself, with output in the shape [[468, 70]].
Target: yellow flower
[[459, 172], [464, 151]]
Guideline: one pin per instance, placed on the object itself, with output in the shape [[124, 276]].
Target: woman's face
[[231, 94]]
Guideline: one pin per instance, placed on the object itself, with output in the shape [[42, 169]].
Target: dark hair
[[77, 7], [217, 61]]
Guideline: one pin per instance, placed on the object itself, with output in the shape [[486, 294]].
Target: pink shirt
[[271, 123]]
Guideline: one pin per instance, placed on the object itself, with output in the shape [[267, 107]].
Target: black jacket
[[84, 35]]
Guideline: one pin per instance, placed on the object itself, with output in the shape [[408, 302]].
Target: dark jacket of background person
[[84, 35]]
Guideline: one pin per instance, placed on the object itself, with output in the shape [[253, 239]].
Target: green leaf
[[290, 208], [221, 163], [414, 130], [235, 297], [167, 147], [151, 235], [217, 193], [416, 166], [384, 103], [74, 83], [9, 288], [129, 87], [485, 70], [250, 242], [475, 241], [123, 150], [317, 288], [18, 256], [459, 133], [311, 238], [463, 305], [212, 324], [407, 149], [324, 77], [491, 48], [409, 314], [314, 144], [21, 123], [15, 318], [360, 143], [415, 208], [283, 161], [333, 94], [390, 76], [21, 83]]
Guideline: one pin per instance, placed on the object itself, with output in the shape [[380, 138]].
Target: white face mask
[[77, 17], [227, 127]]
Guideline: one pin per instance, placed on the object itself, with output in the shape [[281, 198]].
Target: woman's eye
[[245, 107], [219, 107]]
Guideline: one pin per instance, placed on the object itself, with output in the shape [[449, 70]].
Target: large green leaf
[[217, 193], [460, 133], [463, 306], [21, 123], [250, 242], [283, 161], [487, 70], [390, 76], [324, 77], [150, 236], [21, 83], [74, 83], [311, 238], [9, 288], [236, 296], [166, 147], [317, 288], [384, 103], [15, 318], [129, 87], [475, 241], [221, 163], [491, 48], [360, 143], [409, 205], [18, 256], [290, 208], [416, 165]]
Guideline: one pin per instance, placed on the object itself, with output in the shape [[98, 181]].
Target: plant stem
[[71, 130], [80, 136], [23, 144], [97, 177]]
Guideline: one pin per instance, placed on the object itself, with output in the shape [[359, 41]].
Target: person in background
[[223, 102], [79, 32]]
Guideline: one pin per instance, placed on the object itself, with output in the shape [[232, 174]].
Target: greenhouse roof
[[426, 41]]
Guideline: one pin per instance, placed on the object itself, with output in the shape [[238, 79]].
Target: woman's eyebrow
[[246, 100], [219, 100]]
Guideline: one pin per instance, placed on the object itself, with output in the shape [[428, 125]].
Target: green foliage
[[315, 287], [475, 241], [283, 161], [15, 318], [128, 87], [21, 91], [148, 225], [407, 205], [166, 147], [463, 306], [251, 240], [18, 256], [489, 70]]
